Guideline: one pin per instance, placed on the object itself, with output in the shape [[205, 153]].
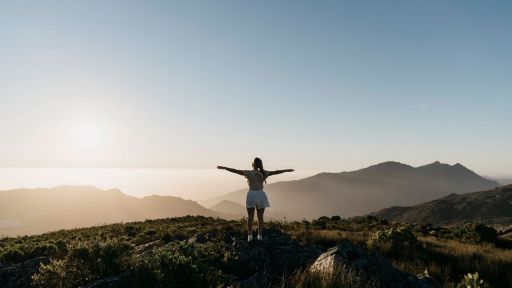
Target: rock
[[19, 275], [369, 265], [259, 262], [199, 238], [257, 280], [110, 282], [148, 246]]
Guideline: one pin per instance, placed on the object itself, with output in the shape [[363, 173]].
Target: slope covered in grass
[[490, 206], [204, 251]]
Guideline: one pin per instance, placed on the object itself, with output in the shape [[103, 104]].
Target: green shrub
[[182, 265], [131, 230], [476, 233], [320, 224], [87, 261], [150, 232], [166, 237], [43, 249], [51, 275], [104, 258], [13, 255], [62, 247], [174, 271], [394, 238], [323, 218]]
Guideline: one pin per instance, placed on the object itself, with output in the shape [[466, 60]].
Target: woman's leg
[[260, 220], [250, 220]]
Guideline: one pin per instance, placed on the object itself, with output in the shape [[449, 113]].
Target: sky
[[311, 85]]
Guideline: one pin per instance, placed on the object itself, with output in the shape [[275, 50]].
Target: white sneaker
[[249, 238], [260, 238]]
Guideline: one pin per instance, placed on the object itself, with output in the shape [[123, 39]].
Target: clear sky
[[320, 85]]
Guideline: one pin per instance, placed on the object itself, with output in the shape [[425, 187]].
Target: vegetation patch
[[210, 252], [476, 233]]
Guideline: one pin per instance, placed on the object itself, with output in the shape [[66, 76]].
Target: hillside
[[197, 251], [30, 211], [233, 210], [370, 189], [227, 206], [504, 181], [491, 206]]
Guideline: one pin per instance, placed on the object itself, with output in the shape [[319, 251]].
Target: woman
[[256, 197]]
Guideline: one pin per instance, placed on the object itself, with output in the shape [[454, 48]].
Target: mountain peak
[[390, 165], [438, 164], [435, 164], [458, 165]]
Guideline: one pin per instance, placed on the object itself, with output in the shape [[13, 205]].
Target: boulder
[[369, 265], [19, 275]]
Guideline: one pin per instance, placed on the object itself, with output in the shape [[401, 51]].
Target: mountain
[[30, 211], [227, 206], [491, 207], [366, 190], [504, 181], [234, 210]]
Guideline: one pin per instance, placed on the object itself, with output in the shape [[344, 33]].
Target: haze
[[191, 184], [331, 86]]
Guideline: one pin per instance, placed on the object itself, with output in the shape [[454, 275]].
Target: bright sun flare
[[87, 136]]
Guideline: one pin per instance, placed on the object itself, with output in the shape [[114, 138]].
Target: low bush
[[51, 275], [44, 249], [392, 238], [85, 262], [13, 255], [168, 269], [476, 233], [180, 265]]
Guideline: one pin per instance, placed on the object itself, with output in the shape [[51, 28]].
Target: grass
[[341, 277], [75, 252], [446, 258]]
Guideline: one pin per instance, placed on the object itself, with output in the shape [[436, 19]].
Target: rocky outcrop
[[19, 275], [369, 265], [260, 263]]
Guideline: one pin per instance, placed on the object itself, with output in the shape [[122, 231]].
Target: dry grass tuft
[[341, 277]]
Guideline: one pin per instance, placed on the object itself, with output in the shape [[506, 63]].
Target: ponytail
[[259, 165]]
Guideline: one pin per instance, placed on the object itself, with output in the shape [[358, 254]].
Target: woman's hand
[[270, 173]]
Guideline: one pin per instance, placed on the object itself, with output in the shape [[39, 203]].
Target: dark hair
[[259, 165]]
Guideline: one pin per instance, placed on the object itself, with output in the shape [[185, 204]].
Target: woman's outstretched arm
[[270, 173], [239, 172]]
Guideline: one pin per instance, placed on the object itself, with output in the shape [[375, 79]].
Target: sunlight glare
[[87, 136]]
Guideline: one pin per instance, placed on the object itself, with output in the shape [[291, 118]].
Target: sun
[[87, 136]]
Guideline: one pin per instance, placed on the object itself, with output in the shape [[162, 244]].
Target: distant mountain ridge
[[227, 206], [30, 211], [369, 189], [360, 192], [489, 207], [236, 210]]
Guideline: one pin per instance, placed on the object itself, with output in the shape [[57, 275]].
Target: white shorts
[[256, 199]]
